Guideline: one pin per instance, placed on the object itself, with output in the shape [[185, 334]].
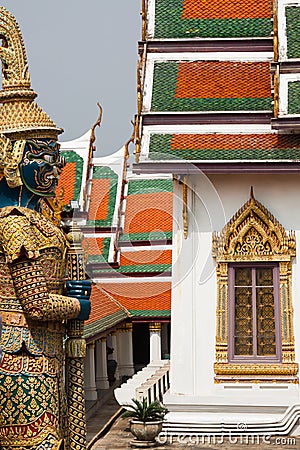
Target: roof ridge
[[116, 301]]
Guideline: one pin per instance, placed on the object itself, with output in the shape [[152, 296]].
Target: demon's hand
[[81, 289]]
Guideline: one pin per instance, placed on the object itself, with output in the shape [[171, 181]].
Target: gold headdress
[[20, 117]]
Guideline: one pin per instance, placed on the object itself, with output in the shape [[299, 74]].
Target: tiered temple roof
[[127, 224], [211, 96]]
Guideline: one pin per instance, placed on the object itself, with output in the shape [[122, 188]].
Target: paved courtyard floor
[[119, 437], [108, 431]]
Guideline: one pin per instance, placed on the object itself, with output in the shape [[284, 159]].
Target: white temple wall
[[213, 201]]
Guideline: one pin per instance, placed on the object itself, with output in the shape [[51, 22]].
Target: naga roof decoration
[[18, 112]]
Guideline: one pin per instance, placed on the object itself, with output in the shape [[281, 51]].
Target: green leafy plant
[[145, 412]]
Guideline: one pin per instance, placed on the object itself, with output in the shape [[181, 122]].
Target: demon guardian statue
[[33, 408]]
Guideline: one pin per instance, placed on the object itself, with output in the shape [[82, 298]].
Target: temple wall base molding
[[262, 409]]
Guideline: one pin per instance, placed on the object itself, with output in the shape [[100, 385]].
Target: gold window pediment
[[254, 235]]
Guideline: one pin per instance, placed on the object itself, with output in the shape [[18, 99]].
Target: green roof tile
[[153, 236], [170, 24], [150, 313], [287, 148], [104, 324], [146, 268], [148, 186], [142, 268], [294, 97], [293, 31], [166, 98]]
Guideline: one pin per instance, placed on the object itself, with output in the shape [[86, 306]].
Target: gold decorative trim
[[144, 20], [126, 328], [185, 208], [258, 379], [154, 327], [139, 111], [276, 244], [275, 30], [140, 81], [276, 92], [10, 158], [256, 369], [93, 134], [91, 345], [253, 234], [76, 348]]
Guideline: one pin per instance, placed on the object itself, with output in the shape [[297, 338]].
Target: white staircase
[[151, 382]]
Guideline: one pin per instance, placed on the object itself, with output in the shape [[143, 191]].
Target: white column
[[164, 340], [155, 341], [89, 375], [125, 350], [101, 368]]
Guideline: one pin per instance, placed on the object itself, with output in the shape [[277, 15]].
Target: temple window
[[254, 317], [254, 313]]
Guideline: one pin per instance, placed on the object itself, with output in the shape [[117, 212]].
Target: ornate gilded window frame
[[254, 235]]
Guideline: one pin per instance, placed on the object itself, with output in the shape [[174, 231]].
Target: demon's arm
[[21, 243], [31, 289]]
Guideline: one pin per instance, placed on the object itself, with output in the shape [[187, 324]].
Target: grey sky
[[81, 52]]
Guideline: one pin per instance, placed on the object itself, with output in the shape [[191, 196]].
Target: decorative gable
[[253, 234]]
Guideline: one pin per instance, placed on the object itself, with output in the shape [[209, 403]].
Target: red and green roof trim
[[103, 197], [150, 313], [212, 19], [97, 249], [71, 177], [224, 147], [211, 86], [150, 186]]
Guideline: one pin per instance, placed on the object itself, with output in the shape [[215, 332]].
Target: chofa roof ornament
[[20, 116]]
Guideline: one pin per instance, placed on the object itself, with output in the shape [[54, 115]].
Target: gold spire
[[20, 116]]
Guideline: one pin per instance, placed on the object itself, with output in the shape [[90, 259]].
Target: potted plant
[[146, 421]]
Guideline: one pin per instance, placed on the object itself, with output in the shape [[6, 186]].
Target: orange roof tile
[[145, 257], [223, 79], [225, 9], [95, 245], [230, 141], [148, 212], [67, 182], [99, 199], [102, 305], [141, 296]]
